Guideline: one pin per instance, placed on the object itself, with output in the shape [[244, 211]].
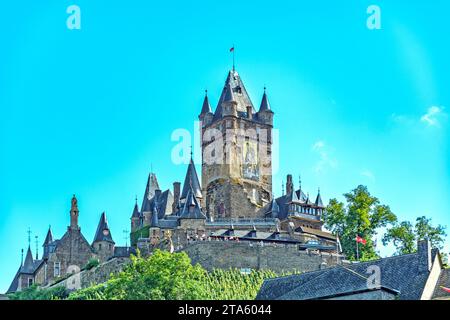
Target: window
[[99, 246], [57, 269], [30, 282]]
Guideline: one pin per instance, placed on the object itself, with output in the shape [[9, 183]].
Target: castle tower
[[103, 242], [236, 153]]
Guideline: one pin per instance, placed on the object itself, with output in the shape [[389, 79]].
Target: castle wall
[[279, 258]]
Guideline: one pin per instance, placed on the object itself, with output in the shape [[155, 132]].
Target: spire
[[47, 241], [265, 106], [103, 232], [318, 201], [206, 108], [191, 181], [48, 237], [28, 266], [136, 212], [21, 259], [150, 190]]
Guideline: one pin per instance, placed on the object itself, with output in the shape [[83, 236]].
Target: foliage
[[234, 285], [404, 237], [143, 232], [161, 276], [165, 275], [363, 215], [92, 263], [36, 293]]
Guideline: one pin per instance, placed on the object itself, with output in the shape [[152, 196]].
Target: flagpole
[[357, 251], [233, 56]]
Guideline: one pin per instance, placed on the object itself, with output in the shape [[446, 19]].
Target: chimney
[[249, 112], [289, 184], [424, 255], [176, 196]]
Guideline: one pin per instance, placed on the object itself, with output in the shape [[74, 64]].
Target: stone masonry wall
[[279, 258]]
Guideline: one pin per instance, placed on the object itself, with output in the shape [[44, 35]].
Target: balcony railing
[[242, 222]]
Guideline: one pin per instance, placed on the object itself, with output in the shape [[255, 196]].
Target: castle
[[234, 201]]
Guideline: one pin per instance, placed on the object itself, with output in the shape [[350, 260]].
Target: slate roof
[[150, 189], [191, 208], [398, 273], [234, 89], [318, 201], [48, 237], [136, 213], [265, 106], [162, 200], [120, 252], [206, 107], [103, 232], [191, 181]]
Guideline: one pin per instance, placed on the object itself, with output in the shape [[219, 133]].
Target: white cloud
[[431, 118], [326, 161]]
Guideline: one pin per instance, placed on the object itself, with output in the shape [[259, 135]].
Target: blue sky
[[89, 111]]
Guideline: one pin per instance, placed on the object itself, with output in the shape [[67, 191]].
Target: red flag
[[361, 240], [232, 49], [445, 289]]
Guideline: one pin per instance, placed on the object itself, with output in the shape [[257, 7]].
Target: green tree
[[363, 215], [425, 230], [402, 236]]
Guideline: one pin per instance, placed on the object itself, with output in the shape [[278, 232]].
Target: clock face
[[105, 232]]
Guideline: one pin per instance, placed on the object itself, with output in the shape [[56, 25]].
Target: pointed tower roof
[[234, 90], [103, 233], [136, 213], [265, 106], [191, 181], [206, 108], [150, 190], [28, 265], [191, 208], [318, 201], [274, 208], [48, 237]]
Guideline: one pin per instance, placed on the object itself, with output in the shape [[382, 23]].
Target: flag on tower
[[232, 49]]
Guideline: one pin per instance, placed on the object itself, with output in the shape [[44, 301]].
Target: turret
[[206, 114], [46, 245], [265, 113], [135, 218], [229, 104], [103, 242]]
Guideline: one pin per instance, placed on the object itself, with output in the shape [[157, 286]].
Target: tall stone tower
[[236, 153]]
